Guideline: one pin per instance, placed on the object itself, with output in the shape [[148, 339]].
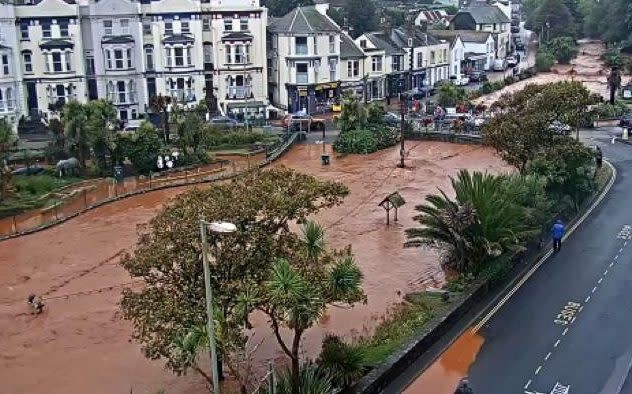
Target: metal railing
[[239, 92]]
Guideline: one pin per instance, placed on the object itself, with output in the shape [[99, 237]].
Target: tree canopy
[[167, 257], [552, 19]]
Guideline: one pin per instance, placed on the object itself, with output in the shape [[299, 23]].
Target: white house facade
[[486, 18], [51, 51], [235, 57], [305, 46], [12, 104]]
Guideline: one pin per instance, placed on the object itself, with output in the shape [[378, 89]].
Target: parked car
[[512, 61], [500, 65], [477, 76], [392, 119], [560, 128], [303, 122], [32, 170], [625, 121], [460, 80], [225, 122]]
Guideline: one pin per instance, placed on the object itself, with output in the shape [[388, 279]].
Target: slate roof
[[420, 38], [57, 44], [382, 41], [349, 49], [118, 40], [479, 37], [303, 20], [486, 14]]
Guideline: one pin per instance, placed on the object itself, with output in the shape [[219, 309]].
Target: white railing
[[239, 92]]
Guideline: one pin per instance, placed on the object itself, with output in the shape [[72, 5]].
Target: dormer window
[[243, 24], [63, 29], [184, 27], [228, 24], [363, 44], [124, 23], [169, 27], [46, 31]]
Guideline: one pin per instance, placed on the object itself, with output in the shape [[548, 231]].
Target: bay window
[[129, 58], [6, 69], [178, 56], [57, 65], [229, 59], [68, 59], [118, 59], [376, 63]]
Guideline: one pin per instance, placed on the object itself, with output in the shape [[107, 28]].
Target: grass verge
[[400, 325], [32, 192]]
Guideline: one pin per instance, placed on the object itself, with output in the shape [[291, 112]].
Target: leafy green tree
[[361, 16], [353, 115], [568, 167], [160, 104], [450, 95], [544, 60], [75, 120], [301, 285], [282, 7], [167, 258], [141, 148], [7, 138], [553, 19], [101, 119], [479, 224], [337, 15], [563, 48]]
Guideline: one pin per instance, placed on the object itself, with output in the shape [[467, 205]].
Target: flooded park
[[80, 344], [75, 267]]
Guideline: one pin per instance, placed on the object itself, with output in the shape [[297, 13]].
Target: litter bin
[[118, 173], [324, 159]]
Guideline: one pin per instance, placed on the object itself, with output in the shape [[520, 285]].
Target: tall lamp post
[[403, 108], [218, 228]]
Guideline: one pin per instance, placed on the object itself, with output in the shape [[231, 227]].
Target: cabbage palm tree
[[313, 239], [481, 222], [75, 120]]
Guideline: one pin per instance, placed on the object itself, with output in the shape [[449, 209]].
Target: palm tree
[[313, 239], [311, 381], [75, 120], [481, 222]]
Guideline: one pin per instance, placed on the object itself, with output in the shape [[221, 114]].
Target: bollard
[[15, 225], [150, 179], [85, 198]]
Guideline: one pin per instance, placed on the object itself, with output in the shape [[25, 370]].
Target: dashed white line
[[605, 273], [620, 250], [573, 319], [616, 257], [547, 356], [537, 370], [625, 243], [565, 331], [611, 264], [594, 290], [526, 386], [600, 280], [556, 343], [581, 308], [587, 299]]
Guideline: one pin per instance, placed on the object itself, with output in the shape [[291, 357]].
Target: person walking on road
[[464, 387], [557, 232]]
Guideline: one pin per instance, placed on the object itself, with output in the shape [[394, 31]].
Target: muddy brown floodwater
[[80, 346]]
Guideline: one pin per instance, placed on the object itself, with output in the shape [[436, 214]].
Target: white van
[[500, 65]]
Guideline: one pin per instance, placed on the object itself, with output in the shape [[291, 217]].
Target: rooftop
[[303, 20], [486, 14]]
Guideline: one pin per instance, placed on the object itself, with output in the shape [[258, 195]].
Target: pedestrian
[[36, 304], [557, 232], [598, 157], [464, 387]]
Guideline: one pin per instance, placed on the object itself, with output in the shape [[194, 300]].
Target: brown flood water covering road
[[79, 345]]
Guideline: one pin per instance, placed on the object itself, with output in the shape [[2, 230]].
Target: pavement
[[567, 328]]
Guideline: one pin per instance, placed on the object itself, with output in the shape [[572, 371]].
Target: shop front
[[314, 99], [252, 111]]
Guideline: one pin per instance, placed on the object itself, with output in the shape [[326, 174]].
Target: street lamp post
[[217, 228], [403, 107]]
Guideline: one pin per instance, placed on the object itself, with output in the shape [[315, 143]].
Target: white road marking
[[606, 271], [547, 356], [587, 299], [616, 257], [550, 252], [600, 280], [537, 370], [594, 290], [565, 331], [581, 308], [526, 386], [573, 319], [625, 243], [556, 343], [611, 264]]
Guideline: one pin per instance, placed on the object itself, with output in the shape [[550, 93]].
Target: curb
[[378, 378]]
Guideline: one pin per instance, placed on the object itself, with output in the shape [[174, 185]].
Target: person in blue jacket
[[557, 232]]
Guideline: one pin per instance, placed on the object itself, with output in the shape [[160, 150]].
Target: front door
[[31, 96]]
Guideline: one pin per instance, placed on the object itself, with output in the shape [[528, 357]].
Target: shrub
[[544, 60], [35, 185], [496, 271], [498, 85], [356, 141], [606, 110], [341, 361], [311, 381], [487, 88], [386, 136], [509, 80], [563, 49]]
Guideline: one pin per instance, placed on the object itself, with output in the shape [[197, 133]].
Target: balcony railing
[[239, 92], [123, 98], [183, 95]]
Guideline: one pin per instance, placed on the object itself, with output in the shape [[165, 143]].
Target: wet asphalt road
[[568, 329]]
